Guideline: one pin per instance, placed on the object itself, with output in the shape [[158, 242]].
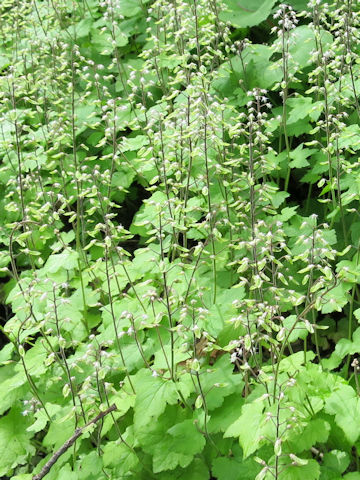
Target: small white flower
[[233, 357]]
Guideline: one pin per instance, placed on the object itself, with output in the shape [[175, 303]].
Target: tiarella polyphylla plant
[[180, 240]]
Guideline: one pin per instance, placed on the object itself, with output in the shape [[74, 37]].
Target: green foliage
[[15, 445], [248, 427], [179, 237], [344, 404], [240, 14]]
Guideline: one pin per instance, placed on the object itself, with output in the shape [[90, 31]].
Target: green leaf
[[187, 438], [152, 396], [6, 352], [248, 427], [345, 405], [123, 177], [103, 41], [334, 463], [241, 13], [66, 473], [40, 422], [148, 214], [286, 213], [260, 71], [15, 446], [121, 456], [302, 44], [343, 348], [60, 430], [277, 198], [299, 330], [316, 431], [134, 143], [299, 156], [234, 469], [197, 470], [165, 459], [222, 311], [4, 62], [85, 116], [292, 363], [12, 387], [222, 417], [336, 298], [66, 260], [300, 5], [219, 381], [357, 314], [302, 107], [124, 401], [256, 69], [310, 471], [82, 29], [129, 8], [350, 137], [179, 447], [35, 360], [348, 271], [22, 476]]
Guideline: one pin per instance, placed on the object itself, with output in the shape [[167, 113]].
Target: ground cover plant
[[179, 260]]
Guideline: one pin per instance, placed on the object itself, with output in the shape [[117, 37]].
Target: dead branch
[[78, 432]]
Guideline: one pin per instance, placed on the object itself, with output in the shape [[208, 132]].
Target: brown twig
[[46, 468]]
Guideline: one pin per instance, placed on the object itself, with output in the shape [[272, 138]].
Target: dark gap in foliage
[[336, 316], [298, 191], [5, 313], [132, 244], [3, 338], [296, 141], [67, 226], [69, 351], [260, 33], [133, 201], [137, 193], [237, 33], [190, 242], [126, 131]]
